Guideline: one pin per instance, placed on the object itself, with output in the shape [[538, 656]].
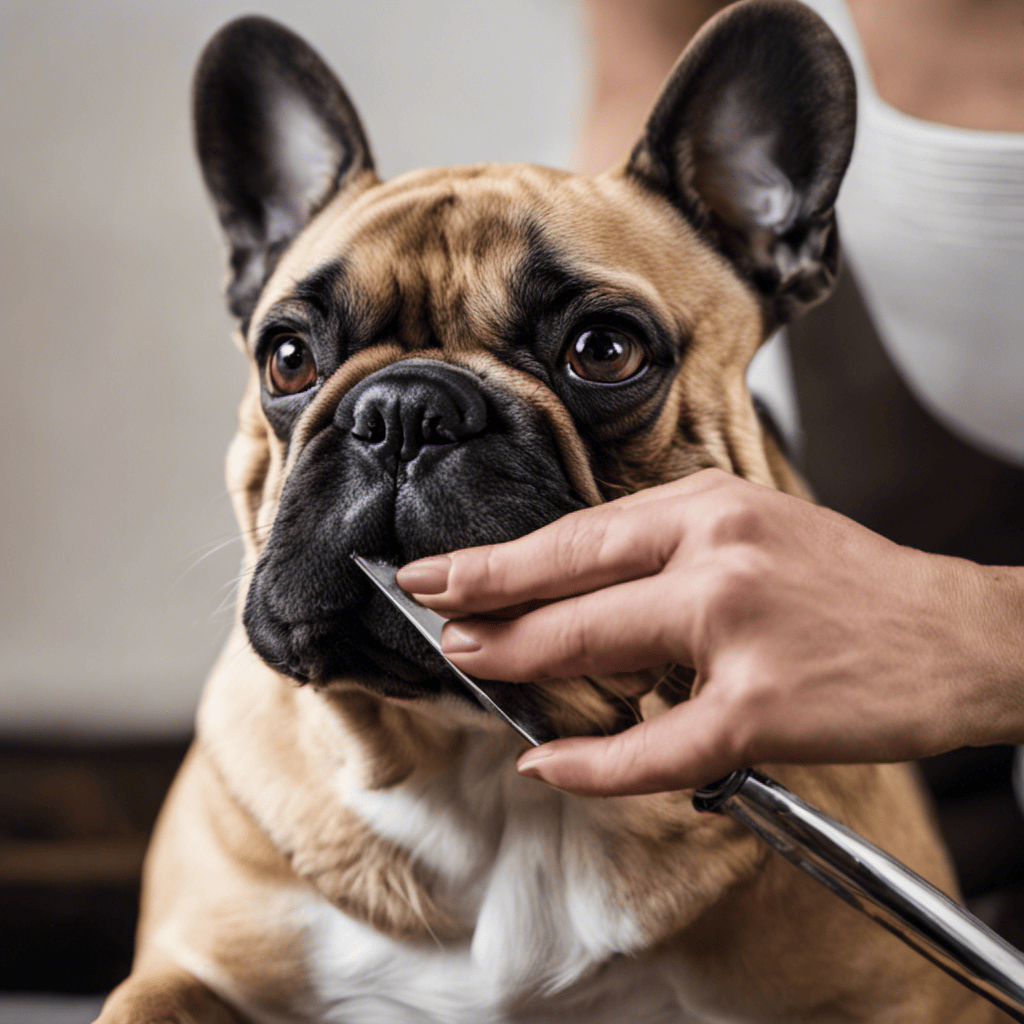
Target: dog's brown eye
[[606, 355], [291, 368]]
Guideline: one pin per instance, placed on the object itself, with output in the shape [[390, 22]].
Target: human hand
[[813, 639]]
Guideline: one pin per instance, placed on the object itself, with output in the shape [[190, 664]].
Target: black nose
[[402, 409]]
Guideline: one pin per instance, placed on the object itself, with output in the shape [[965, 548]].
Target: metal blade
[[429, 625]]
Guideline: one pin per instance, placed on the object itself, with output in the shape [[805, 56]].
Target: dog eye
[[606, 355], [291, 368]]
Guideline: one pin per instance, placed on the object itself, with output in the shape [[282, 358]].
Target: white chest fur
[[520, 863]]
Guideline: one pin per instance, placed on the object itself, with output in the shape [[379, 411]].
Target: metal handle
[[875, 883]]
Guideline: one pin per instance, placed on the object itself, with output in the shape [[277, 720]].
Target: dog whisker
[[228, 602], [208, 554], [218, 544]]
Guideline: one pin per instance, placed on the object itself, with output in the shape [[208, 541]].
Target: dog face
[[460, 356]]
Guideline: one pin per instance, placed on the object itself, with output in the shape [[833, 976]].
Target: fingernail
[[529, 764], [457, 640], [425, 576]]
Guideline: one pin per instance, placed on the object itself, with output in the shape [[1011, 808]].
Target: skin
[[814, 640], [956, 62]]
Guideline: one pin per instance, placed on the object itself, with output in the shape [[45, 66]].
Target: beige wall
[[119, 380]]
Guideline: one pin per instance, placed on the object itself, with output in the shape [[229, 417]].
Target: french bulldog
[[455, 357]]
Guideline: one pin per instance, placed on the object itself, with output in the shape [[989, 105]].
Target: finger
[[685, 747], [624, 628], [595, 547]]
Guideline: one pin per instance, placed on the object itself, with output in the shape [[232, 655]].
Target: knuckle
[[621, 537], [721, 748], [570, 644], [738, 513], [539, 646], [739, 522], [927, 733], [476, 573], [462, 577], [493, 569], [514, 667], [734, 584], [625, 756], [581, 541]]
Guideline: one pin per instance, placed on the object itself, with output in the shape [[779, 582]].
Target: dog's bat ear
[[277, 137], [750, 138]]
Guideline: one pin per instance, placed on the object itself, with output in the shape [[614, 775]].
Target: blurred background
[[121, 384]]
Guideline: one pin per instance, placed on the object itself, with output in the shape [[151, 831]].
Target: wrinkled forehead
[[450, 253]]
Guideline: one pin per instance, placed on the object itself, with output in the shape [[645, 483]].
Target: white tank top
[[932, 224]]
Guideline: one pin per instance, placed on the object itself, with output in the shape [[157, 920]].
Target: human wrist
[[989, 610]]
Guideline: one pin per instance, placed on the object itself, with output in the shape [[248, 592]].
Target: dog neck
[[506, 856], [421, 830]]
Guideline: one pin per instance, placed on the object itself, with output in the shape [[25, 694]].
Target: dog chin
[[368, 644], [365, 642]]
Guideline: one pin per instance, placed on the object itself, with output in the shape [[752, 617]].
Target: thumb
[[687, 746]]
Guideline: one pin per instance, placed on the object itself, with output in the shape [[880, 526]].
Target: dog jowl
[[463, 355]]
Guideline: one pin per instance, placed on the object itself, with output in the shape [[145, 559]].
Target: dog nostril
[[369, 425], [431, 429], [437, 428]]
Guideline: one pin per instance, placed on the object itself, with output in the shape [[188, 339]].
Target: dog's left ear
[[750, 139], [277, 137]]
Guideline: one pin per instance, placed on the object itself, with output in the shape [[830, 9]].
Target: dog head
[[460, 356]]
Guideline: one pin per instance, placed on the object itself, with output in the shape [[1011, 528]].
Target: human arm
[[814, 639], [633, 45]]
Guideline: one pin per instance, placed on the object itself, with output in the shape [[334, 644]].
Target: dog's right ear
[[277, 137]]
